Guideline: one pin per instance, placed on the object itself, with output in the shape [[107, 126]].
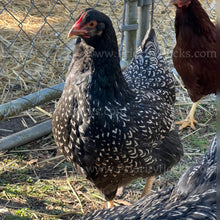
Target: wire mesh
[[35, 51]]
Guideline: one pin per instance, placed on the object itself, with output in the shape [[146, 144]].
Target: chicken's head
[[89, 24], [180, 3]]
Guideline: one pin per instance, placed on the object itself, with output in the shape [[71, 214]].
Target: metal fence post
[[130, 29], [143, 19]]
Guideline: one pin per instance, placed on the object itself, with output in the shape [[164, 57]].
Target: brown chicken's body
[[195, 56]]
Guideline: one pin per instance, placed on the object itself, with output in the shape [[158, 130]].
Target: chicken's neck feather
[[106, 82]]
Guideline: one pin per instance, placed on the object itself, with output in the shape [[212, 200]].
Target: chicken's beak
[[77, 30]]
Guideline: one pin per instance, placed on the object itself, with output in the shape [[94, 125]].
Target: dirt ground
[[36, 182]]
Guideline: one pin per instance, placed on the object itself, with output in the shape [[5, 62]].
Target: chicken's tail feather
[[149, 37], [200, 177]]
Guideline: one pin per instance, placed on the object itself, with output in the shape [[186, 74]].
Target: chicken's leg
[[148, 186], [110, 204], [189, 121]]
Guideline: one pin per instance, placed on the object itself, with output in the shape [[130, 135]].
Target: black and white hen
[[194, 197], [112, 127]]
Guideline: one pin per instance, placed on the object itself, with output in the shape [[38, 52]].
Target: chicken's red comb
[[80, 19]]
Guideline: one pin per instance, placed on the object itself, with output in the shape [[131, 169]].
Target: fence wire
[[35, 52]]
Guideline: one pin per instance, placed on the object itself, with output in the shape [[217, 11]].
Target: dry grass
[[35, 51]]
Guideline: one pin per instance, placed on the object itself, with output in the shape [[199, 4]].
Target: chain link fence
[[35, 52]]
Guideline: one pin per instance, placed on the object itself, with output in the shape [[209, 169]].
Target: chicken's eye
[[92, 24]]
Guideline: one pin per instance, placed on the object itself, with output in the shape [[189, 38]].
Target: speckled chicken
[[194, 197], [112, 127]]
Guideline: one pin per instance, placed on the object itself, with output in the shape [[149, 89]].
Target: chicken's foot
[[189, 121]]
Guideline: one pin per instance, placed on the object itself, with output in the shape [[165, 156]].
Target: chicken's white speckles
[[194, 196], [112, 119], [66, 149]]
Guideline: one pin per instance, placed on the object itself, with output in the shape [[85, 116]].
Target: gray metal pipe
[[143, 19], [29, 101], [26, 136], [130, 29]]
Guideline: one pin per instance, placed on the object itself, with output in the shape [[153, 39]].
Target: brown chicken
[[195, 55]]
